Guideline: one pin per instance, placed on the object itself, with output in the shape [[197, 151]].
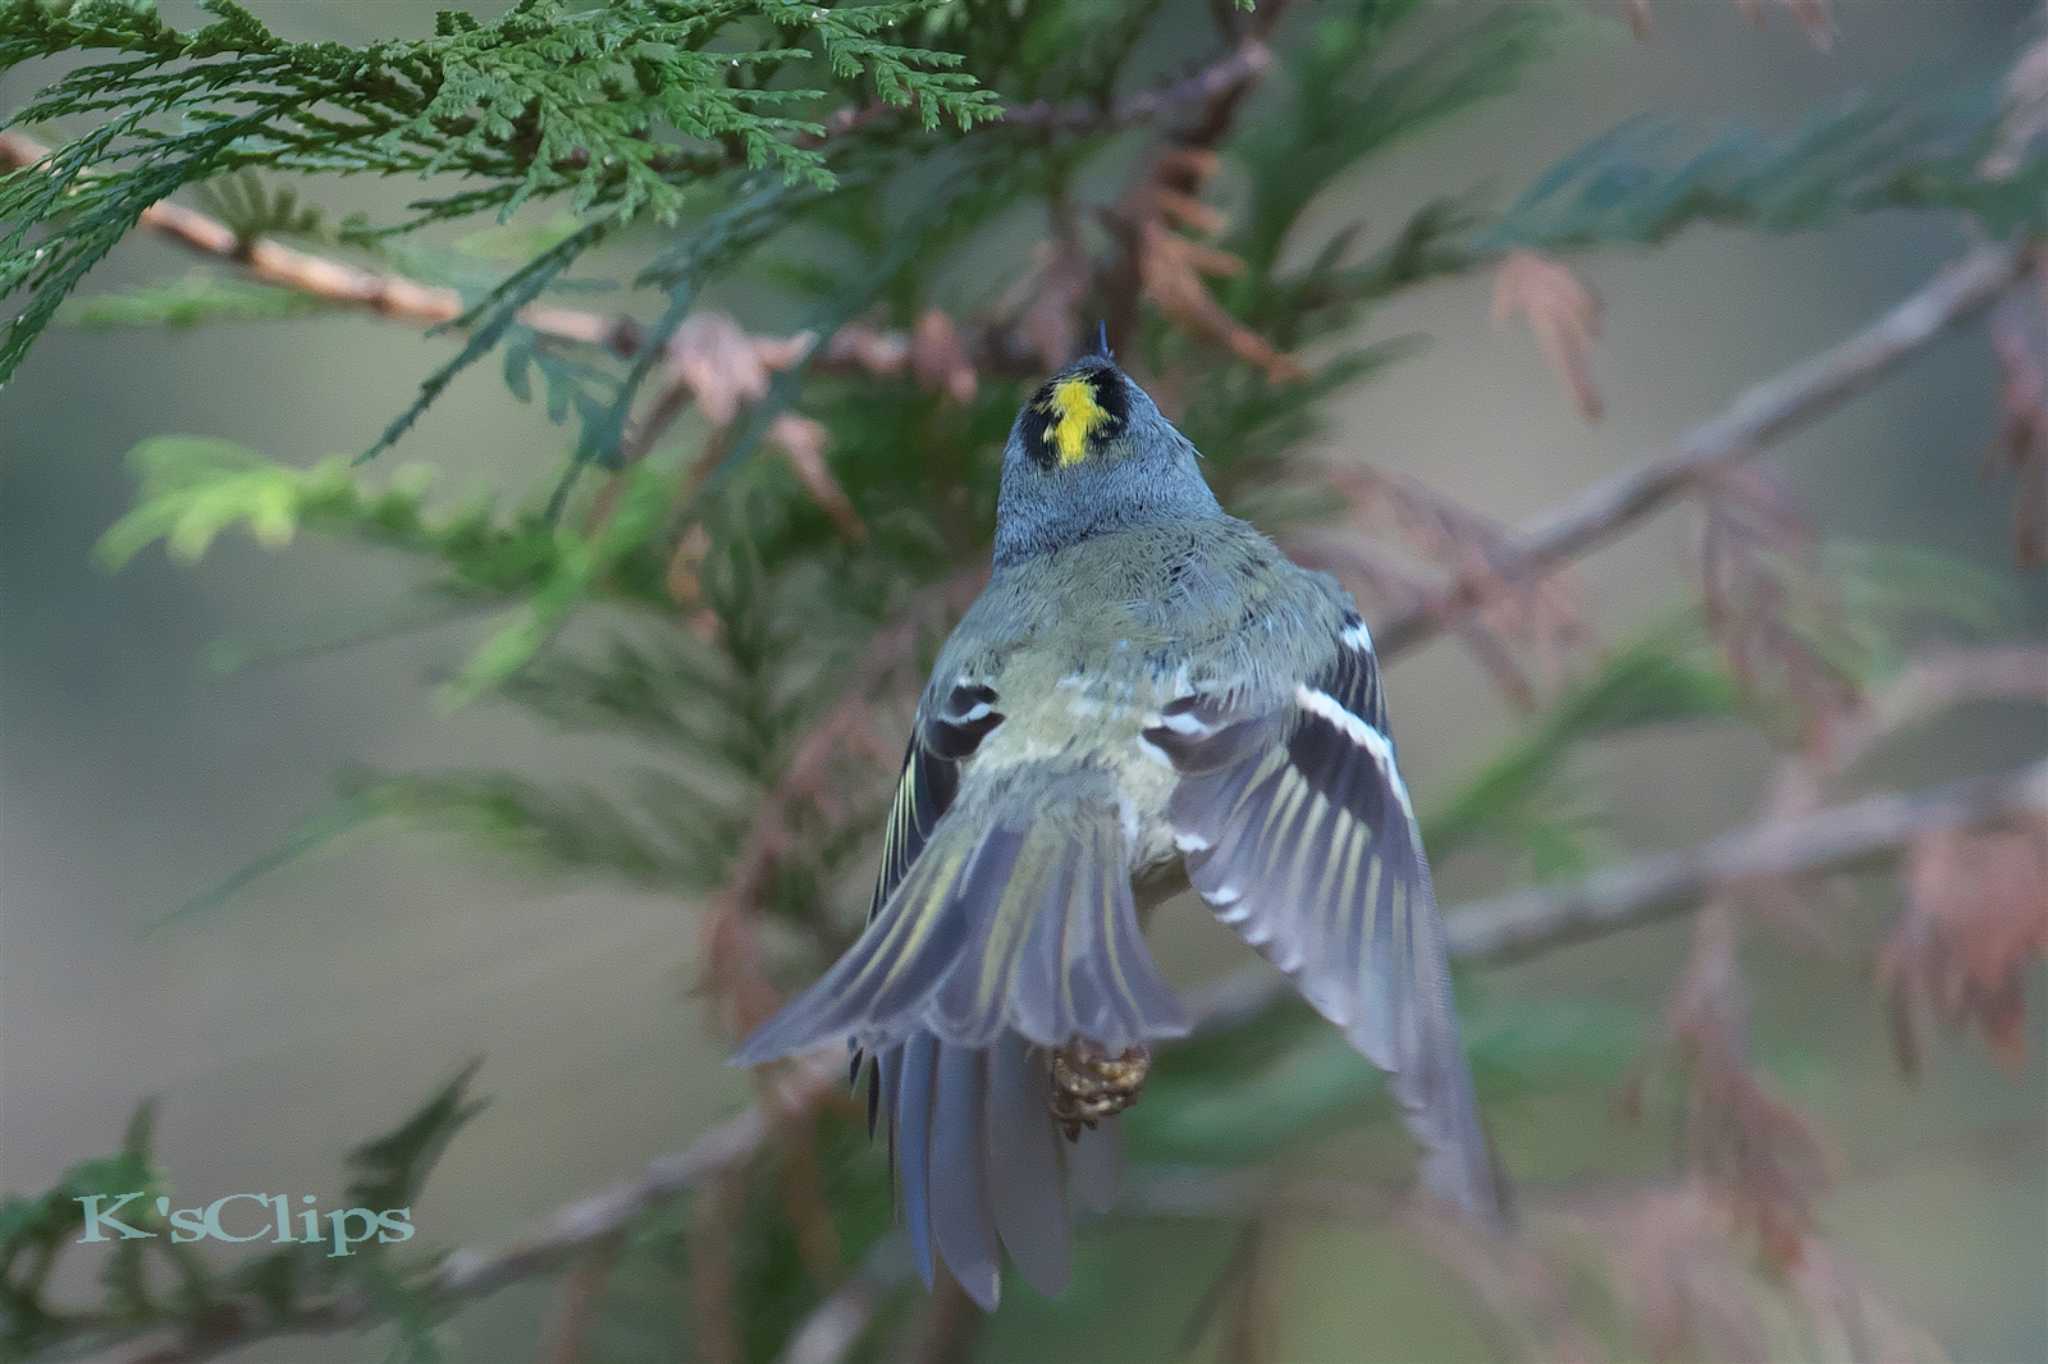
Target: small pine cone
[[1089, 1085]]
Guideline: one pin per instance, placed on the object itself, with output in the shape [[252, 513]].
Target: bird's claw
[[1089, 1085]]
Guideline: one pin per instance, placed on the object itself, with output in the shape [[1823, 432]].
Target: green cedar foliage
[[620, 107], [685, 146], [160, 1278]]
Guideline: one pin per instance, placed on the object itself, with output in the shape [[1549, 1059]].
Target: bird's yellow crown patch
[[1070, 418], [1076, 416]]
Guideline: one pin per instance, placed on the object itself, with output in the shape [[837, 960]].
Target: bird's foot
[[1088, 1084]]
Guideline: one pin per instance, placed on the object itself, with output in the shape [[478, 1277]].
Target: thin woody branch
[[1507, 928], [1757, 417], [268, 261], [1873, 828], [854, 349]]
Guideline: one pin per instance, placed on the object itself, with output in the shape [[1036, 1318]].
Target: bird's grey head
[[1091, 452]]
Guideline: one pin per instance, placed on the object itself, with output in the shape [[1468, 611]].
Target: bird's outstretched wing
[[1002, 920], [1296, 827]]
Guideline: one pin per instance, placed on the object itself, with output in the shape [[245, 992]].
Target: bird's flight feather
[[1297, 829]]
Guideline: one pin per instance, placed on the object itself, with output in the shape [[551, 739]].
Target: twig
[[1759, 416], [855, 348], [583, 1287], [1527, 922], [395, 296], [1925, 687], [1508, 928]]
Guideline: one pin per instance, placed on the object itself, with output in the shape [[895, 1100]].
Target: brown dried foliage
[[1640, 21], [1758, 1155], [868, 350], [1527, 622], [1977, 901], [715, 364], [1842, 1308], [939, 359], [802, 441], [680, 579], [1816, 18], [1673, 1262], [1562, 311], [1676, 1265], [734, 974], [2019, 338], [1925, 687], [1975, 925], [1173, 268], [1767, 604], [723, 367], [1525, 1284]]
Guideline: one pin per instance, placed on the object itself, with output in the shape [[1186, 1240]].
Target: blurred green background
[[312, 1010]]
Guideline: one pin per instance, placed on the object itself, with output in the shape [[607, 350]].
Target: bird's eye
[[1070, 418]]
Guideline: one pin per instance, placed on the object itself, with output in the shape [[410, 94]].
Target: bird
[[1146, 693]]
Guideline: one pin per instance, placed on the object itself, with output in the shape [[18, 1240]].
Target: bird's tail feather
[[980, 1164], [999, 926]]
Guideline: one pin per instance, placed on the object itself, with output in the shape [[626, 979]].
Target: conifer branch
[[1876, 827], [585, 101], [1235, 70], [395, 296], [854, 349], [1744, 429]]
